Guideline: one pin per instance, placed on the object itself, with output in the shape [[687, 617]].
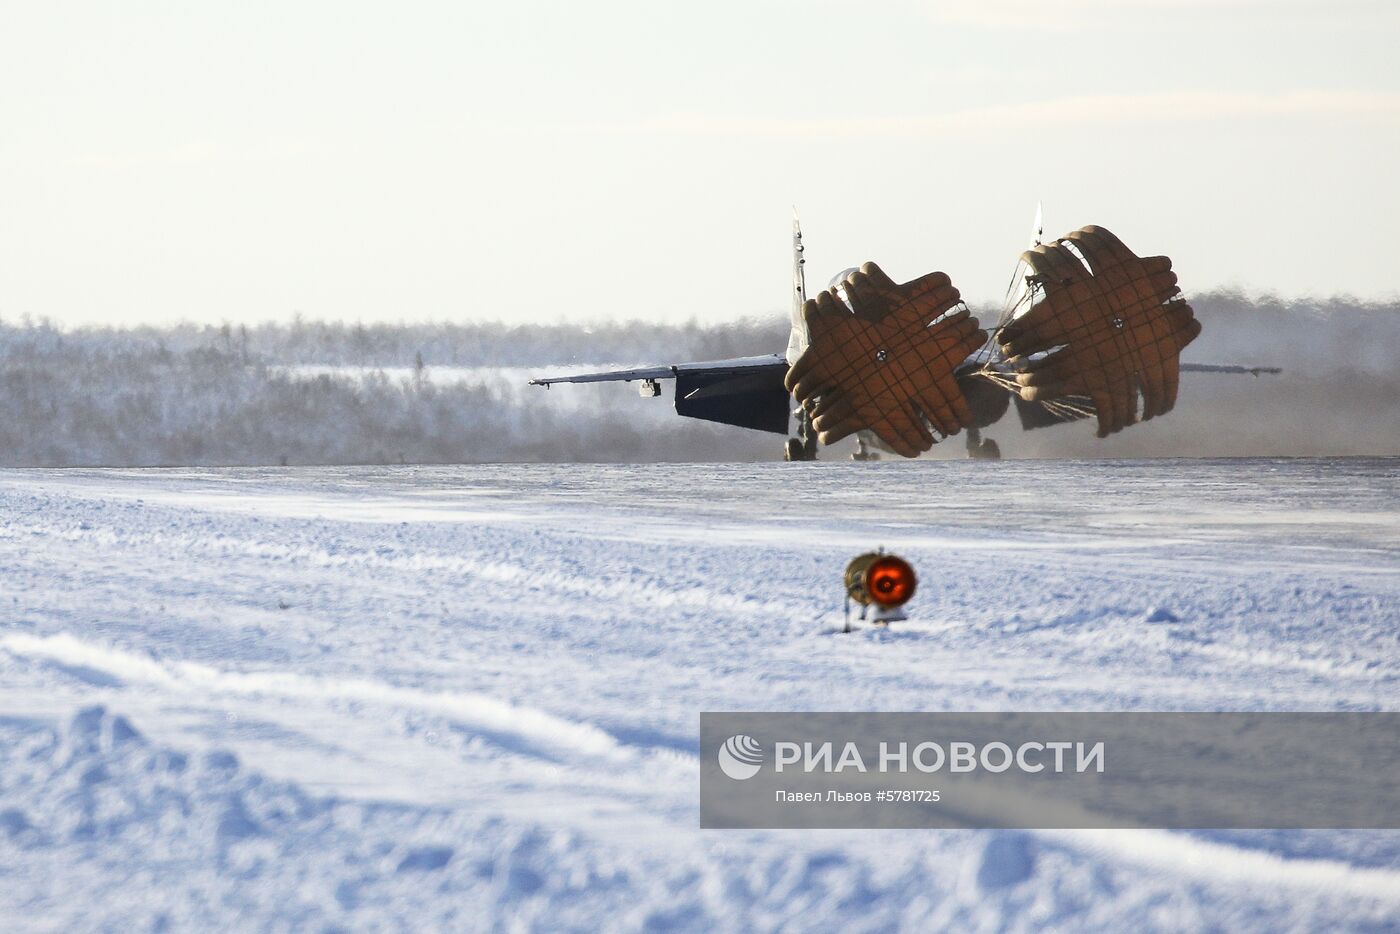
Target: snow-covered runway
[[467, 696]]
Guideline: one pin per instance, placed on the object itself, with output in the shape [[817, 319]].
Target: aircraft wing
[[1228, 368], [739, 366], [746, 391]]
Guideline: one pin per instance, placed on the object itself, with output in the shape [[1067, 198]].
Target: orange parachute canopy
[[1110, 324], [886, 364]]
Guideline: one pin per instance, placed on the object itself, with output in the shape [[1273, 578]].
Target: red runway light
[[890, 581], [880, 580]]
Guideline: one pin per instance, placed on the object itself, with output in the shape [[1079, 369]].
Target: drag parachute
[[1095, 327], [883, 357], [1089, 327]]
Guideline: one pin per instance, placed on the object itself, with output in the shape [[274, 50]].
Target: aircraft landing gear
[[804, 446], [977, 449], [863, 452]]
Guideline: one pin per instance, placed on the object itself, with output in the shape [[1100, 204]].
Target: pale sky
[[541, 161]]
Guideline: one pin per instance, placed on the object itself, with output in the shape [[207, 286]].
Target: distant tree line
[[436, 344], [203, 395]]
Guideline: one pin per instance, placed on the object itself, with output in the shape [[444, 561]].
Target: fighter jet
[[1088, 329]]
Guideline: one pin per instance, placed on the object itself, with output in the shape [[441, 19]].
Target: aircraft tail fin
[[798, 339], [1017, 302]]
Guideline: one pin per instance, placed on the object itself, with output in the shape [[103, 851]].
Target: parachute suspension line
[[960, 306], [1022, 303], [1009, 312], [1006, 303], [1069, 408]]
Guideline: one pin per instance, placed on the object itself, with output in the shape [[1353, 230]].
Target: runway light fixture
[[881, 583]]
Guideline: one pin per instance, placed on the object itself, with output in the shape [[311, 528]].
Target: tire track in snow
[[532, 728], [1180, 854], [647, 590], [1220, 864]]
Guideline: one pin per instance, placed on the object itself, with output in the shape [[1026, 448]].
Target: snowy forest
[[311, 392]]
